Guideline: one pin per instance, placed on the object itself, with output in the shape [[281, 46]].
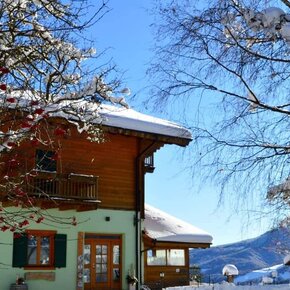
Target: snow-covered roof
[[109, 115], [130, 119], [166, 228], [230, 270]]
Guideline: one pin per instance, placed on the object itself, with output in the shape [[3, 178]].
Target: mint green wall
[[121, 222]]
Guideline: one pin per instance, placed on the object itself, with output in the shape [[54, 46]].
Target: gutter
[[139, 170]]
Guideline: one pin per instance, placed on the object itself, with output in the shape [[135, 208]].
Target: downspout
[[139, 170]]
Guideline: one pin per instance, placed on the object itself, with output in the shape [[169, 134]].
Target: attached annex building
[[166, 244]]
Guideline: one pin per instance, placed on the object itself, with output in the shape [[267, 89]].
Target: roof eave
[[177, 140]]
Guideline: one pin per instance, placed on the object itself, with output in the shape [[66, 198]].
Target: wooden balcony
[[67, 187]]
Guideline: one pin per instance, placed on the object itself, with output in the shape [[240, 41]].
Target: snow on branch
[[273, 22], [47, 69]]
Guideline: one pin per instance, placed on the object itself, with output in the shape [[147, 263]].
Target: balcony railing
[[64, 186]]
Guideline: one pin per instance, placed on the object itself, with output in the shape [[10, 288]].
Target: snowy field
[[227, 286]]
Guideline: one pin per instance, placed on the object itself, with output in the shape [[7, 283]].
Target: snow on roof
[[230, 270], [130, 119], [164, 227], [110, 115]]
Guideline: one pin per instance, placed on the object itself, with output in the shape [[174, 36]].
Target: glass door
[[102, 263]]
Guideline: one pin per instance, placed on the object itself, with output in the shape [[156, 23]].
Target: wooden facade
[[86, 175], [160, 276], [113, 170]]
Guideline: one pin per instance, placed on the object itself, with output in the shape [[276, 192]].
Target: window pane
[[32, 250], [45, 250], [87, 275], [98, 259], [45, 160], [98, 268], [116, 274], [116, 255], [104, 249], [104, 258], [101, 278], [98, 250], [175, 257], [87, 254], [157, 257], [104, 268]]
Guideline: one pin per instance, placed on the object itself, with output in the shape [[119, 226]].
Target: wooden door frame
[[109, 239]]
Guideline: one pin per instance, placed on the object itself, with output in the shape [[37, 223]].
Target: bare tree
[[228, 62], [43, 73]]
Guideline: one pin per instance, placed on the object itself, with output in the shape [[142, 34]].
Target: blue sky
[[125, 30]]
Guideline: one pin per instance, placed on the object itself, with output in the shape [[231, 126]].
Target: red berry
[[4, 70], [25, 125], [34, 142], [13, 229], [3, 87], [59, 131], [34, 103], [40, 219], [19, 192], [11, 100], [17, 236], [4, 228], [11, 144], [45, 116], [39, 111], [13, 163]]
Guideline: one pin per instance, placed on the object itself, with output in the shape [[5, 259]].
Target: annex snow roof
[[167, 228], [130, 119]]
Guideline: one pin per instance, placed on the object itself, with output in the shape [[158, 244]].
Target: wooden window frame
[[57, 254], [39, 234], [166, 257]]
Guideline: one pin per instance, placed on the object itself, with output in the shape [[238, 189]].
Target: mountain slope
[[277, 274], [261, 252]]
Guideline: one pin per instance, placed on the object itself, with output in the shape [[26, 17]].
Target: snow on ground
[[279, 273], [227, 286]]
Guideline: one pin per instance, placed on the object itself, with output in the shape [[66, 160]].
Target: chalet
[[166, 244], [100, 185]]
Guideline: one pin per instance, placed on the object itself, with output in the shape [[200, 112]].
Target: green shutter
[[19, 250], [60, 251]]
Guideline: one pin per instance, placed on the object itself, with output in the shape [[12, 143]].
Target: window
[[175, 257], [156, 257], [170, 257], [39, 249], [45, 160]]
